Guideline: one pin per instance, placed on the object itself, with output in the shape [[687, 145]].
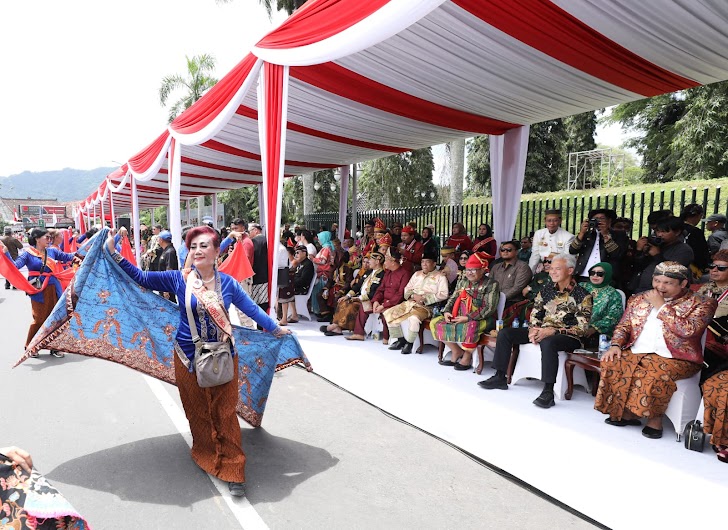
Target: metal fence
[[635, 206]]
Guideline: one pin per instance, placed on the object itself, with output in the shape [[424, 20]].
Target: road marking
[[241, 508]]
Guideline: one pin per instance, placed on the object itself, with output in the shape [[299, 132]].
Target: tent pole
[[354, 201], [200, 201], [152, 218], [135, 220], [214, 211], [111, 209], [261, 207], [343, 200], [173, 216]]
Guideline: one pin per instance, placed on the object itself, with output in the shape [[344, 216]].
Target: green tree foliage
[[198, 80], [655, 119], [398, 180], [545, 164], [701, 134], [242, 202], [580, 132], [289, 6]]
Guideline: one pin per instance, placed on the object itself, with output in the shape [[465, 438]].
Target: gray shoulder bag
[[213, 360]]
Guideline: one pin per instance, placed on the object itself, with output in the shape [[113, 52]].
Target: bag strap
[[188, 305]]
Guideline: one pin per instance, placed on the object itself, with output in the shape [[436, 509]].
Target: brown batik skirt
[[642, 383], [41, 311], [216, 443], [715, 396], [346, 312]]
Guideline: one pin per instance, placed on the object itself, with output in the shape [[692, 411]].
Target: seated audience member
[[425, 290], [716, 346], [656, 343], [549, 240], [396, 233], [389, 294], [539, 280], [459, 239], [715, 417], [715, 224], [470, 312], [363, 287], [303, 272], [691, 216], [410, 249], [511, 274], [665, 245], [606, 304], [429, 244], [338, 285], [485, 242], [462, 261], [525, 253], [597, 243], [559, 320], [448, 266], [324, 262]]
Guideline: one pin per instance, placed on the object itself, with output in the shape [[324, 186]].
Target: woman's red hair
[[203, 231]]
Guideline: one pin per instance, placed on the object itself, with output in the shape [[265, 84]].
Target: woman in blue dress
[[41, 259], [216, 443]]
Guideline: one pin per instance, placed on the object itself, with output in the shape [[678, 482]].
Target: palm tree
[[198, 67], [289, 6]]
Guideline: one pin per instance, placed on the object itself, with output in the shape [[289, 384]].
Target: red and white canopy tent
[[342, 81]]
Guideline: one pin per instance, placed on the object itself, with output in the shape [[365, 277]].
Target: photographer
[[665, 243], [597, 242]]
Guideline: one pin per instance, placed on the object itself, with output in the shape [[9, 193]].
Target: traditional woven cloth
[[106, 315], [29, 502], [715, 396]]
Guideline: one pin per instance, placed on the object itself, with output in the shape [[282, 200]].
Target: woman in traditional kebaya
[[459, 239], [715, 375], [41, 260], [216, 445], [607, 306]]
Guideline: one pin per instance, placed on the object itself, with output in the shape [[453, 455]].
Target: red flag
[[290, 243], [126, 251], [9, 271], [237, 264]]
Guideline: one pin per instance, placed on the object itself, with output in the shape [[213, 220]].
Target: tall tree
[[545, 163], [398, 181], [198, 80], [580, 132], [701, 134], [456, 151], [655, 118], [241, 202]]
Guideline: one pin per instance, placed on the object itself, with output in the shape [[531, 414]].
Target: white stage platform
[[611, 474]]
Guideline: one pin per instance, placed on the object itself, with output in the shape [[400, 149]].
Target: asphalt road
[[109, 439]]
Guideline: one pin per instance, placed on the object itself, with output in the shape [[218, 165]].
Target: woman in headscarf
[[468, 314], [429, 243], [607, 306], [485, 242], [42, 261], [324, 262], [459, 239]]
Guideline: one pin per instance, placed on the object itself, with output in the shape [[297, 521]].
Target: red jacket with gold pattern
[[684, 321]]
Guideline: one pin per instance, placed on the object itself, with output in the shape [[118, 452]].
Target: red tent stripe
[[350, 85], [143, 160], [546, 27], [206, 109], [224, 148], [253, 114], [316, 21]]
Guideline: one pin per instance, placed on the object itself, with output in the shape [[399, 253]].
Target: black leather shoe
[[237, 489], [463, 367], [407, 348], [398, 344], [495, 382], [324, 318], [622, 423], [324, 329], [650, 432], [446, 363], [545, 400]]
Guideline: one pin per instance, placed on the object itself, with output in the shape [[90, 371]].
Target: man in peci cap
[[716, 225], [550, 240], [411, 249], [656, 343], [425, 290]]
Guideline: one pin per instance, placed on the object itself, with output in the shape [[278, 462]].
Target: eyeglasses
[[472, 270], [506, 250], [721, 268], [597, 273], [463, 258], [546, 261]]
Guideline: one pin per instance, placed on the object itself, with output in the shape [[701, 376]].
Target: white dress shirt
[[652, 338], [545, 243]]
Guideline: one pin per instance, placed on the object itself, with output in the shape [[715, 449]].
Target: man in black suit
[[597, 242]]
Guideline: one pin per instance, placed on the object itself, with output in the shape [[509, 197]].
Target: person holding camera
[[596, 242], [665, 243], [42, 261]]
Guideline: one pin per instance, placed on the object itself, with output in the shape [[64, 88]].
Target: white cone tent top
[[342, 81]]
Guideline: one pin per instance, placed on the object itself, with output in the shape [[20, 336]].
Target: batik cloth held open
[[30, 502], [104, 314]]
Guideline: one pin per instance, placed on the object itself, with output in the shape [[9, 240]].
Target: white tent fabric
[[369, 79]]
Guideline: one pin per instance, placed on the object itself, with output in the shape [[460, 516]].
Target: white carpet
[[613, 475]]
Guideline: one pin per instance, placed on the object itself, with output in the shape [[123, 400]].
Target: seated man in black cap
[[425, 289]]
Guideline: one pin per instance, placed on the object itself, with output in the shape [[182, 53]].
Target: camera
[[593, 223], [654, 240]]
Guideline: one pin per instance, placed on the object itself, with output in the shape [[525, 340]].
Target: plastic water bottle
[[603, 345], [516, 323], [498, 325], [525, 324]]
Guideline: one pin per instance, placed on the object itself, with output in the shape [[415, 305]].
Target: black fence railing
[[636, 206]]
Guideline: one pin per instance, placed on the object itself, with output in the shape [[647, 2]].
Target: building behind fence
[[635, 206]]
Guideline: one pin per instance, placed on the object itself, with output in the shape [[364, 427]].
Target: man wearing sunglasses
[[512, 274]]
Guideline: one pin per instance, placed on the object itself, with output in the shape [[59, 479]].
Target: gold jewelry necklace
[[207, 281]]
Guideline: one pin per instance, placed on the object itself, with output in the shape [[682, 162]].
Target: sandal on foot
[[651, 432], [622, 423]]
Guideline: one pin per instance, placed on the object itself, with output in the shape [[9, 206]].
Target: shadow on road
[[44, 360], [276, 465], [160, 471]]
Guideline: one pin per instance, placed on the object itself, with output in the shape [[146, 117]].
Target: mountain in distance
[[65, 184]]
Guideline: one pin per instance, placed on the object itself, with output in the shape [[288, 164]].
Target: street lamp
[[333, 187], [422, 194], [337, 175], [317, 186]]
